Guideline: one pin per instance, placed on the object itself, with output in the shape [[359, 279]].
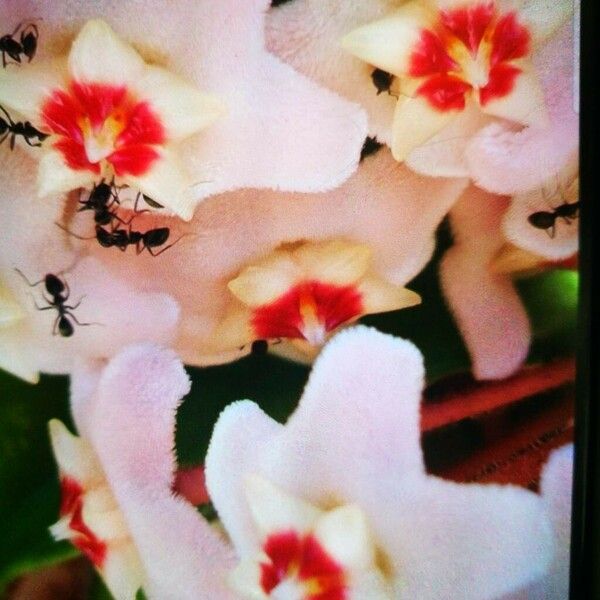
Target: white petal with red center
[[182, 108], [380, 296], [98, 55], [167, 183], [273, 510], [389, 44], [337, 262], [415, 122], [266, 281], [55, 176], [524, 104], [23, 89]]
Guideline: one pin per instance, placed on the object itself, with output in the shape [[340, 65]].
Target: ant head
[[65, 328], [259, 347], [100, 194], [54, 285], [29, 38]]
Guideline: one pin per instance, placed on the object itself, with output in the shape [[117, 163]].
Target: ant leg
[[79, 237], [13, 139], [165, 248], [551, 231], [55, 325], [29, 143], [135, 205], [3, 137], [77, 304], [27, 280], [79, 322], [41, 307]]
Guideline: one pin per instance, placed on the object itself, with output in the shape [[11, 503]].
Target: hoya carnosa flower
[[306, 552], [452, 55], [355, 440], [90, 517], [110, 115], [304, 292]]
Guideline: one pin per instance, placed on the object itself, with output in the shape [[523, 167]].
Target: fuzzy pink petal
[[30, 239], [463, 541], [398, 222], [306, 34], [506, 160], [280, 131], [239, 438], [132, 426], [486, 306]]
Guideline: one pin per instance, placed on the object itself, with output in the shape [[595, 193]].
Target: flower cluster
[[173, 195]]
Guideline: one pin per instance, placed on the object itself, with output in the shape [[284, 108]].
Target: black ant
[[547, 219], [382, 80], [260, 347], [59, 291], [121, 238], [102, 197], [9, 128], [26, 45]]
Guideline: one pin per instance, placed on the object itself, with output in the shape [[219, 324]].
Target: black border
[[585, 534]]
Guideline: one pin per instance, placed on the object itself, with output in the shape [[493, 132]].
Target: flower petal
[[166, 182], [523, 104], [234, 331], [265, 281], [182, 108], [245, 580], [133, 434], [544, 17], [122, 572], [337, 262], [390, 43], [486, 307], [24, 89], [98, 55], [345, 536], [415, 122], [74, 455], [15, 357], [273, 510], [380, 296], [464, 541], [55, 176], [237, 438]]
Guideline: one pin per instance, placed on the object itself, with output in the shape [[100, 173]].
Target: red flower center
[[302, 559], [82, 537], [307, 311], [103, 127], [471, 49]]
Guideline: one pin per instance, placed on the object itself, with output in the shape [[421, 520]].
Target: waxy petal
[[272, 510], [23, 90], [56, 177], [544, 17], [183, 109], [380, 296], [266, 281], [99, 55], [337, 262], [389, 44], [15, 358], [167, 183], [416, 122]]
